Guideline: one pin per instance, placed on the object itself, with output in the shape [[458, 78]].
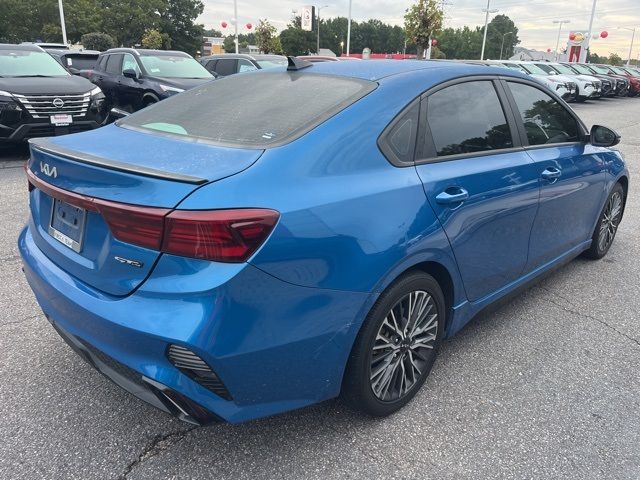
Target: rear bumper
[[274, 345]]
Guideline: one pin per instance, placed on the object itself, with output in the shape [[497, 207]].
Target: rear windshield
[[80, 62], [251, 110], [271, 62]]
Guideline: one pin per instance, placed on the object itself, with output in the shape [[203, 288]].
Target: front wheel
[[396, 347], [607, 225]]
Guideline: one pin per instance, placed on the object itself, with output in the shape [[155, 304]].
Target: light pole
[[235, 23], [318, 40], [502, 46], [583, 52], [633, 37], [559, 30], [349, 30], [64, 28], [486, 23]]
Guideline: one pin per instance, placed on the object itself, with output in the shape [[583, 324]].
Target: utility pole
[[559, 30], [64, 28], [583, 52], [633, 37], [318, 40], [486, 23], [349, 31]]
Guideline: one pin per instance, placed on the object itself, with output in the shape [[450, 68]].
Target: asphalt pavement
[[547, 386]]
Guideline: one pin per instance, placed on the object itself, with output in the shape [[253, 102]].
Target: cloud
[[534, 18]]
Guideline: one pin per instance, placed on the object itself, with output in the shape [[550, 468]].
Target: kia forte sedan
[[271, 240]]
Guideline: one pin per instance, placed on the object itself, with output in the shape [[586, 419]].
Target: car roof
[[146, 51], [73, 52], [241, 55], [29, 47], [378, 69]]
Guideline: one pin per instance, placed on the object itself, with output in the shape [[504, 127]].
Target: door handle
[[551, 173], [452, 195]]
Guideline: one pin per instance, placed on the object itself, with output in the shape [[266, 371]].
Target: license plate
[[61, 120], [67, 224]]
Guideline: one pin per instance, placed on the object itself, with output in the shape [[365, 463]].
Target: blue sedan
[[275, 239]]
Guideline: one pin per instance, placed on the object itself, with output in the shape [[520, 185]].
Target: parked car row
[[107, 85], [579, 81]]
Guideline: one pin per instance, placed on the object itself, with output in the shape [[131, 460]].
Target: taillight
[[142, 226], [220, 235]]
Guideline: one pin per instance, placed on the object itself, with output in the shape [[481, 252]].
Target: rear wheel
[[396, 347], [608, 223]]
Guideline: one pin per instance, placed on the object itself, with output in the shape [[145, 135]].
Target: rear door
[[571, 174], [110, 77], [479, 181]]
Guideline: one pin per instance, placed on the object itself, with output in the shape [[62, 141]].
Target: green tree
[[97, 41], [460, 43], [614, 59], [127, 21], [499, 26], [295, 41], [422, 21], [266, 38], [177, 22], [152, 38]]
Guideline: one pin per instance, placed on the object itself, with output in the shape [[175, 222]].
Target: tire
[[581, 99], [365, 386], [607, 226]]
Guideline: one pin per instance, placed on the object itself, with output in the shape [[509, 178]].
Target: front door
[[572, 174], [479, 181]]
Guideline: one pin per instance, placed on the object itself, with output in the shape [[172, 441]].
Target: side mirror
[[130, 73], [603, 137], [74, 71]]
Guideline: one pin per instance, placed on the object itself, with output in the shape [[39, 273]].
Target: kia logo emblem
[[47, 170], [58, 103]]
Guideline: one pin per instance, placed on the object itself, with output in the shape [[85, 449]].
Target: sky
[[534, 18]]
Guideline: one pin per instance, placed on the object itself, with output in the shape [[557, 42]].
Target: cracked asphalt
[[547, 386]]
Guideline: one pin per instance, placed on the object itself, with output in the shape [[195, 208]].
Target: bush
[[97, 41]]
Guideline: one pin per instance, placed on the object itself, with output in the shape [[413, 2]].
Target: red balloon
[[249, 26], [604, 34], [224, 24], [572, 36], [548, 50], [434, 42]]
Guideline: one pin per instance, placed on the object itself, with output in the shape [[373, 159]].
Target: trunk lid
[[120, 167]]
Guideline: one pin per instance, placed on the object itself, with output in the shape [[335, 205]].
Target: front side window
[[130, 63], [245, 66], [545, 120], [466, 118], [534, 69], [29, 63]]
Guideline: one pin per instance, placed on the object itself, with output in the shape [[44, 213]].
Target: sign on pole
[[308, 12]]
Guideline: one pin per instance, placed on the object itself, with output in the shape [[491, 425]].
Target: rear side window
[[253, 110], [113, 64], [545, 119], [467, 118], [226, 66]]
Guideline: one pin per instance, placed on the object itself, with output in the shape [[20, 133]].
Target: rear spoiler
[[46, 146]]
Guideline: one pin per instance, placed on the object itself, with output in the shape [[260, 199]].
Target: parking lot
[[544, 387]]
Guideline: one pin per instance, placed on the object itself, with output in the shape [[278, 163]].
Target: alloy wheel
[[403, 346], [610, 221]]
